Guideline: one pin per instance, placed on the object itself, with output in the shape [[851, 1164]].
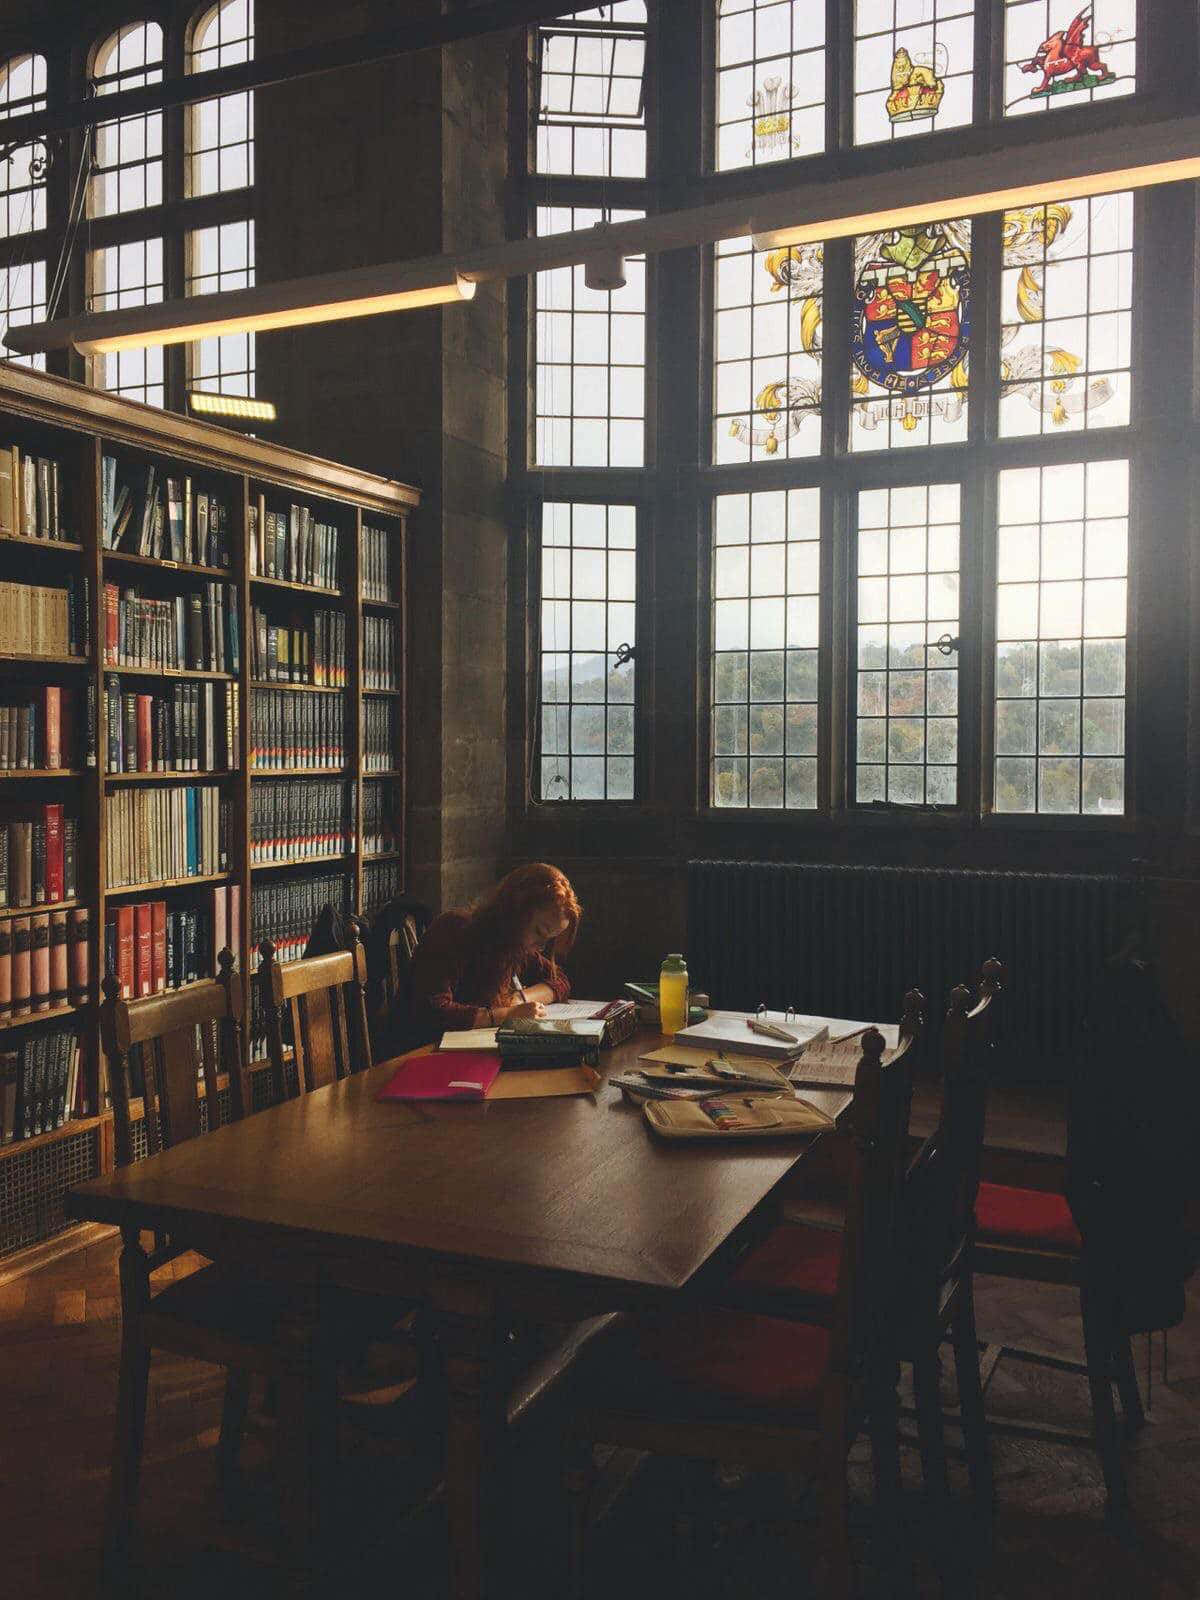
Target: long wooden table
[[492, 1213]]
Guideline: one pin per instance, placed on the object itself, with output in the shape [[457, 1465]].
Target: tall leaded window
[[219, 258], [1062, 545], [912, 66], [770, 81], [130, 275], [1063, 52], [588, 629], [220, 132], [127, 168], [590, 347], [591, 112], [906, 725], [1067, 315], [23, 170], [767, 351], [766, 581]]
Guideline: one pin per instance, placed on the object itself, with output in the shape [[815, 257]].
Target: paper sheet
[[535, 1083], [834, 1061], [573, 1010]]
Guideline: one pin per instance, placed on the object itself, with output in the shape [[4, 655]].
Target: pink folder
[[444, 1075]]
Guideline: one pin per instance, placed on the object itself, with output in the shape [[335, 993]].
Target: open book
[[833, 1061]]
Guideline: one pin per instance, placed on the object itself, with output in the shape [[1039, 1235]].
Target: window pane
[[907, 688], [765, 639], [220, 133], [591, 111], [23, 170], [910, 336], [129, 275], [766, 351], [127, 172], [221, 258], [770, 81], [586, 711], [1061, 53], [24, 292], [912, 67], [1061, 553], [590, 365], [1066, 294]]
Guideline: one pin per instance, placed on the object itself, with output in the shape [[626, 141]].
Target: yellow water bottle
[[673, 995]]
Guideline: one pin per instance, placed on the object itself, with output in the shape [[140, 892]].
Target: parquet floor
[[58, 1356]]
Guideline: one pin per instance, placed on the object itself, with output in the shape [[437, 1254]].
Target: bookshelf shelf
[[78, 428], [158, 563], [382, 855], [159, 884], [395, 693]]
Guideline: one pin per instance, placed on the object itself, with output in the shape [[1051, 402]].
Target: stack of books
[[38, 858], [296, 730], [195, 632], [381, 653], [379, 736], [40, 730], [166, 833], [377, 564], [30, 495], [306, 820], [150, 947], [41, 1085], [291, 545], [301, 653], [551, 1042], [161, 516], [179, 730], [38, 619], [43, 961]]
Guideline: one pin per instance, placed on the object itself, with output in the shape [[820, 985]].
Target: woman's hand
[[528, 1008]]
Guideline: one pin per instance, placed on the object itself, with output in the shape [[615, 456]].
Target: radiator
[[848, 941]]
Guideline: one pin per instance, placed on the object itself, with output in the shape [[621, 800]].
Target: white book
[[730, 1030], [469, 1039]]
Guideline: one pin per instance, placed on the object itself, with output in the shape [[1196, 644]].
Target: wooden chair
[[186, 1041], [323, 1002], [391, 942], [711, 1383]]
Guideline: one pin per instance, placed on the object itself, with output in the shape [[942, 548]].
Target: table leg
[[133, 1380], [475, 1478]]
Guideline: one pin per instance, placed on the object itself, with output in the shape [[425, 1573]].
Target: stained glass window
[[127, 173], [770, 81], [588, 612], [590, 381], [912, 66], [221, 131], [1061, 596], [23, 170], [910, 336], [222, 258], [1067, 294], [907, 686], [767, 351], [766, 583], [23, 289], [130, 275], [591, 118], [1067, 52]]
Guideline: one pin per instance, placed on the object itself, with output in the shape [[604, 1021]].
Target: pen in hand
[[520, 991]]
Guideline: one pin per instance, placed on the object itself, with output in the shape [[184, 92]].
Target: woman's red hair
[[500, 917]]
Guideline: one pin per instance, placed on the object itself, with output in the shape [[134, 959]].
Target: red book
[[51, 714], [77, 955], [59, 988], [158, 946], [53, 816], [220, 926], [144, 740], [39, 961], [444, 1075], [112, 632], [143, 933], [20, 966], [66, 725], [123, 919]]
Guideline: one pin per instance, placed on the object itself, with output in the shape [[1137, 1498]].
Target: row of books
[[42, 1084], [194, 632], [39, 858], [293, 546], [377, 578], [382, 881], [172, 832], [304, 820], [380, 830], [163, 516], [379, 736], [30, 494], [38, 619], [43, 961], [285, 913], [150, 946], [381, 653], [43, 730], [299, 653], [296, 730], [188, 727]]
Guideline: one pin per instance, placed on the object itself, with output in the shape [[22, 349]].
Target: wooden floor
[[59, 1332]]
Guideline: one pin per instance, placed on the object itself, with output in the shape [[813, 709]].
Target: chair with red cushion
[[720, 1384]]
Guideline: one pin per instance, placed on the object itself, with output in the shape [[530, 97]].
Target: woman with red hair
[[499, 960]]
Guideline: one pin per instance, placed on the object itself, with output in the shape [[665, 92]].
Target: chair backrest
[[324, 999], [869, 1151], [390, 943], [184, 1040]]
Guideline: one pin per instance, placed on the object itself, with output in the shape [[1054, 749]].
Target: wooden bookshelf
[[78, 427]]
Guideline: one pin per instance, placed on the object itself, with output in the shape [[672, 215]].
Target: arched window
[[127, 171], [23, 200]]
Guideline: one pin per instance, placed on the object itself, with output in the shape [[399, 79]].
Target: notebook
[[728, 1030], [734, 1117], [443, 1075]]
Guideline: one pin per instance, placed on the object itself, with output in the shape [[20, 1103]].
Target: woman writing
[[497, 961]]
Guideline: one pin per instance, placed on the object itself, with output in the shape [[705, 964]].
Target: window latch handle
[[947, 644]]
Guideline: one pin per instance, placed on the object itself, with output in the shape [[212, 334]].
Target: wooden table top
[[576, 1186]]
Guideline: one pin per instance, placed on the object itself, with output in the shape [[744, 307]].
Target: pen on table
[[770, 1031]]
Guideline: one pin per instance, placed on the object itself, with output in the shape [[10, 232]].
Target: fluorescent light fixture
[[206, 403]]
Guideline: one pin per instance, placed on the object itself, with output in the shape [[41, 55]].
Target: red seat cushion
[[705, 1358], [1029, 1217], [794, 1259]]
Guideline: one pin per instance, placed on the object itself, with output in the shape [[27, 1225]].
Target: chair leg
[[1127, 1384], [971, 1406], [835, 1498], [130, 1427], [581, 1477], [233, 1423], [1097, 1340]]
